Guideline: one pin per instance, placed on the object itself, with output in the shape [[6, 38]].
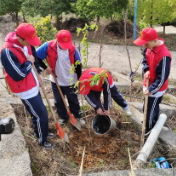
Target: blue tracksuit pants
[[39, 116], [152, 111], [72, 101], [93, 98]]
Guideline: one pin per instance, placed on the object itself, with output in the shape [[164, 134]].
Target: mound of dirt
[[117, 27], [73, 23]]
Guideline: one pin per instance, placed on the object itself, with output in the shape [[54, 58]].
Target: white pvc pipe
[[148, 146]]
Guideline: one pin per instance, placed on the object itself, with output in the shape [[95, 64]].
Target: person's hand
[[99, 111], [50, 71], [30, 58], [147, 92], [106, 112], [40, 80], [147, 74]]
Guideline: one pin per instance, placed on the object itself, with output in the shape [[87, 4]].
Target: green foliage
[[155, 11], [84, 41], [45, 30], [151, 165], [46, 7], [94, 80], [72, 162], [142, 26], [175, 130], [100, 163], [10, 6], [89, 9], [34, 167]]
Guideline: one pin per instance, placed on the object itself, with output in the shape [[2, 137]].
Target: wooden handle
[[145, 116], [44, 92], [60, 91]]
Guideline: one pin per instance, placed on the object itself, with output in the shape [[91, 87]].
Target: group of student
[[18, 55]]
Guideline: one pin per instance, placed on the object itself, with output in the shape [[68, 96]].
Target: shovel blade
[[74, 121], [61, 133]]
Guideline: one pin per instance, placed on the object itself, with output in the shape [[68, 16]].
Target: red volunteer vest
[[52, 54], [153, 59], [28, 82], [87, 74]]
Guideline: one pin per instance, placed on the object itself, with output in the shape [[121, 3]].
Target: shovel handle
[[60, 131], [44, 92], [145, 116], [73, 120], [60, 91]]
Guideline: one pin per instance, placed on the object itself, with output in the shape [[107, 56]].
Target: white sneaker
[[128, 112], [62, 121], [81, 121]]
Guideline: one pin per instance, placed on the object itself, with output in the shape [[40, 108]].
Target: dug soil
[[107, 151], [102, 152]]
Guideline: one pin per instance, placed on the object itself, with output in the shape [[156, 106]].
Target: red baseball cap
[[147, 34], [28, 32], [84, 86], [64, 39]]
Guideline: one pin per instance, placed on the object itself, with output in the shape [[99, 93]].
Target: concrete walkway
[[168, 29]]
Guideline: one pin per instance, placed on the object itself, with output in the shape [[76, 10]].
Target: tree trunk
[[24, 19], [16, 18], [13, 16], [114, 17], [58, 23], [151, 17], [98, 19], [164, 29]]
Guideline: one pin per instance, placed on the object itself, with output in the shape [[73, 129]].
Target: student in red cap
[[156, 67], [61, 55], [105, 85], [17, 56]]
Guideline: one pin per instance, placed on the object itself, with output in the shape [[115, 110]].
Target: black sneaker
[[47, 145]]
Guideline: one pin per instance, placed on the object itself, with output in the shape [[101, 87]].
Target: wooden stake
[[81, 167], [60, 131], [145, 116]]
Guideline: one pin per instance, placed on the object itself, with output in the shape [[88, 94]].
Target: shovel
[[73, 120], [145, 116], [60, 131]]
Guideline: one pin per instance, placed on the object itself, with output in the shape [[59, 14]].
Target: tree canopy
[[156, 11], [46, 7], [11, 7], [89, 9]]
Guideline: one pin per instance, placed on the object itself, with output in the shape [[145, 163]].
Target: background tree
[[48, 7], [11, 7], [89, 9], [156, 12]]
